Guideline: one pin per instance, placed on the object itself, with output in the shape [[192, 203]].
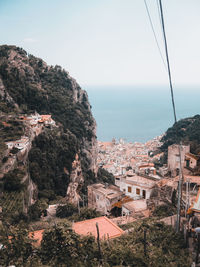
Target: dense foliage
[[55, 97], [67, 210], [105, 176], [186, 130], [72, 213], [37, 210], [13, 180], [34, 86], [164, 210], [11, 130], [16, 247], [62, 247], [52, 152]]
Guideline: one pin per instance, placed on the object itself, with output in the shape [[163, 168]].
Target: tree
[[37, 209], [12, 180], [16, 246], [66, 210], [60, 247]]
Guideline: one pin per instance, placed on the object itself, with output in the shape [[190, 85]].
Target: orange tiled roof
[[6, 124], [190, 155], [146, 165], [106, 228], [45, 118], [37, 236]]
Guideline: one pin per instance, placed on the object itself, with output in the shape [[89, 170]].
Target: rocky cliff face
[[29, 85]]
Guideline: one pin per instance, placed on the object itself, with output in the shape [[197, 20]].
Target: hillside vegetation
[[29, 85], [186, 130], [63, 247]]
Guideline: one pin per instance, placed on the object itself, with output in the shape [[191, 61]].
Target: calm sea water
[[139, 114]]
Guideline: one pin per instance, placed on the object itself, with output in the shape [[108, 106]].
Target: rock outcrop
[[28, 85], [76, 181]]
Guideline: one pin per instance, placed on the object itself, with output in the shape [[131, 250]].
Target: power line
[[167, 58], [152, 27], [175, 119], [157, 2]]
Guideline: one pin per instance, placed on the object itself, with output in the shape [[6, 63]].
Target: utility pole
[[187, 196], [180, 186], [83, 201], [145, 242], [99, 246], [198, 247], [78, 207]]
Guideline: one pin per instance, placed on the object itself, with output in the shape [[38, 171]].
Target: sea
[[138, 114]]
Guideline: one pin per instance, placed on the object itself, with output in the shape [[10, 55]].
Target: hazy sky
[[107, 42]]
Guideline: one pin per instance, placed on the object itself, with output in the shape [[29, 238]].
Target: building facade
[[103, 198], [136, 186], [174, 158]]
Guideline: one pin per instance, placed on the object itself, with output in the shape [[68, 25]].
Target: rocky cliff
[[28, 88]]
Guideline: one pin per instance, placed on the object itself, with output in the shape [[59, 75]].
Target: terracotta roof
[[146, 165], [190, 155], [119, 203], [37, 236], [45, 118], [106, 228]]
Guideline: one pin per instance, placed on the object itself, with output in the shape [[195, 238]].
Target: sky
[[107, 42]]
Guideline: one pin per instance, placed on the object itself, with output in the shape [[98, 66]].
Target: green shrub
[[66, 210], [13, 180], [37, 209], [164, 210]]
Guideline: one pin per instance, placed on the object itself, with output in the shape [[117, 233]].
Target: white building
[[136, 186]]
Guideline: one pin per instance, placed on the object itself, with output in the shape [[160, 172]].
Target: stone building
[[174, 158], [135, 207], [191, 160], [103, 198]]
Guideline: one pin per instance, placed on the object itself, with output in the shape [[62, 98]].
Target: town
[[141, 184]]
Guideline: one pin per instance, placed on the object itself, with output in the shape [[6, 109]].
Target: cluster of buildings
[[120, 157], [34, 125], [128, 196], [137, 180]]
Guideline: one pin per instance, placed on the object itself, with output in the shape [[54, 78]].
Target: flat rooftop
[[136, 205], [139, 180], [110, 191], [107, 229]]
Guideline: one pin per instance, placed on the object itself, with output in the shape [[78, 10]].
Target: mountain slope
[[29, 85], [186, 130]]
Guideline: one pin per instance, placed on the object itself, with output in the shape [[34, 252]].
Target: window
[[137, 191], [129, 189]]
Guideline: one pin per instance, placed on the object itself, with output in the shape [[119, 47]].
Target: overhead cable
[[175, 119], [154, 33], [167, 58]]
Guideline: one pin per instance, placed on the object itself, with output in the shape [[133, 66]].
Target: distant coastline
[[138, 114]]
